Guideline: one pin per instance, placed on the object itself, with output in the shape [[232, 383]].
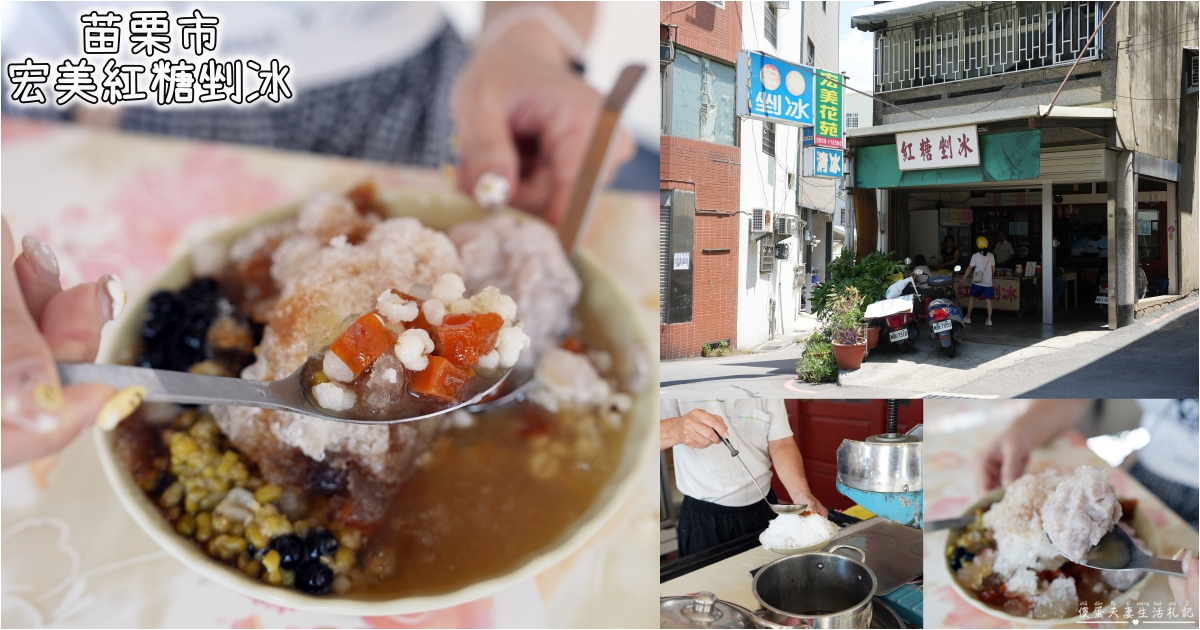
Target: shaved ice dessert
[[796, 531], [1004, 557], [383, 312]]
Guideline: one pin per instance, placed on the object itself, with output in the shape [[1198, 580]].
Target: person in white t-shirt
[[1004, 252], [720, 501], [983, 265]]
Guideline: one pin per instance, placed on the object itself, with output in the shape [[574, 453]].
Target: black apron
[[703, 525]]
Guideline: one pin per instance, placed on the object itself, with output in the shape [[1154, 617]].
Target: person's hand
[[812, 502], [42, 324], [523, 116], [700, 429], [1187, 590], [1004, 461]]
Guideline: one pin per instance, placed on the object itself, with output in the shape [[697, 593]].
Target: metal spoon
[[288, 394], [1116, 551], [778, 508]]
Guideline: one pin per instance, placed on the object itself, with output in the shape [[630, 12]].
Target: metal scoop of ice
[[778, 508], [1116, 551]]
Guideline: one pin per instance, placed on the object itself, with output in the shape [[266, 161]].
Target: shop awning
[[1031, 111], [876, 17]]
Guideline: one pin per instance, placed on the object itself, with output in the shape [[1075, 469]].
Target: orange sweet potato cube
[[441, 380], [363, 342], [456, 340], [487, 330]]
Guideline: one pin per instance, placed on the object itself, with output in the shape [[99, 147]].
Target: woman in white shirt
[[720, 501], [983, 265]]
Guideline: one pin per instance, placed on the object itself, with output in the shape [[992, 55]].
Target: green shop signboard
[[1003, 157], [828, 130]]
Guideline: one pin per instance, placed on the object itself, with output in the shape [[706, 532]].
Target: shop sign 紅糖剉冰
[[938, 148], [822, 162], [774, 90]]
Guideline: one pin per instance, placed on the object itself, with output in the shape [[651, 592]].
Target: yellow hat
[[981, 242]]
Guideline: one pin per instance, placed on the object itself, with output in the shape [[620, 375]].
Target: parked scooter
[[945, 316], [1143, 286], [896, 316]]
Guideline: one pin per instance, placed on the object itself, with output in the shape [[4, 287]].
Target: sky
[[856, 48]]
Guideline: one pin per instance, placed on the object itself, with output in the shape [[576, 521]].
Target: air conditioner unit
[[666, 53], [766, 255], [781, 251], [784, 225], [760, 220]]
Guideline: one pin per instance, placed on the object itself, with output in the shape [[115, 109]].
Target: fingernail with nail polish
[[120, 406], [111, 294], [491, 191], [41, 257]]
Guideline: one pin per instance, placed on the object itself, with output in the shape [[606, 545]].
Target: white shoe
[[966, 320], [988, 322]]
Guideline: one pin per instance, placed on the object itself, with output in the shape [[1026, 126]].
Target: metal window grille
[[771, 24], [986, 41], [1195, 73], [851, 119], [766, 255], [768, 144]]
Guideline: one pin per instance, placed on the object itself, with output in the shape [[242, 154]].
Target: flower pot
[[872, 337], [849, 357]]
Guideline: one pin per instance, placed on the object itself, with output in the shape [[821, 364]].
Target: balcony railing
[[991, 40]]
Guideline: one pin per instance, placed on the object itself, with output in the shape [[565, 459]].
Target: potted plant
[[847, 330]]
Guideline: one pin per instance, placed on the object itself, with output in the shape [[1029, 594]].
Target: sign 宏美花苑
[[827, 132], [822, 162], [774, 90], [938, 148]]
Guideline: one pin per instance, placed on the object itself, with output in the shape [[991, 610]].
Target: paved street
[[1157, 357]]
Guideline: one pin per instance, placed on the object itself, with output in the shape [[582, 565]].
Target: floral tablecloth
[[122, 203], [956, 435]]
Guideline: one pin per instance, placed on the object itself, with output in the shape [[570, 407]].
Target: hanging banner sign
[[774, 90], [822, 162], [828, 129], [956, 216], [938, 148]]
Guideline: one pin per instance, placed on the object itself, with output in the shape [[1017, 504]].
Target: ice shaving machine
[[883, 474]]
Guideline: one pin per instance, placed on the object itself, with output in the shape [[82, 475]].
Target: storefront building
[[700, 177], [1092, 180], [784, 213]]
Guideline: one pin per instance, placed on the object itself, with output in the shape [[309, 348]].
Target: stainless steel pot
[[703, 610], [816, 590]]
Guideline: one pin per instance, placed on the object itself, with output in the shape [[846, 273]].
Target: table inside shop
[[726, 572], [125, 203], [1015, 294], [951, 485], [1072, 280]]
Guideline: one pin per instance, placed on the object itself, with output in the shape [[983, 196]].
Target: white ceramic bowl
[[613, 313], [1145, 528]]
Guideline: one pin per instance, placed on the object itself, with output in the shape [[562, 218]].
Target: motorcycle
[[896, 316], [1143, 286], [945, 316]]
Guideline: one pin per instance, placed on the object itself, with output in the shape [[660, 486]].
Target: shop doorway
[[1152, 245]]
